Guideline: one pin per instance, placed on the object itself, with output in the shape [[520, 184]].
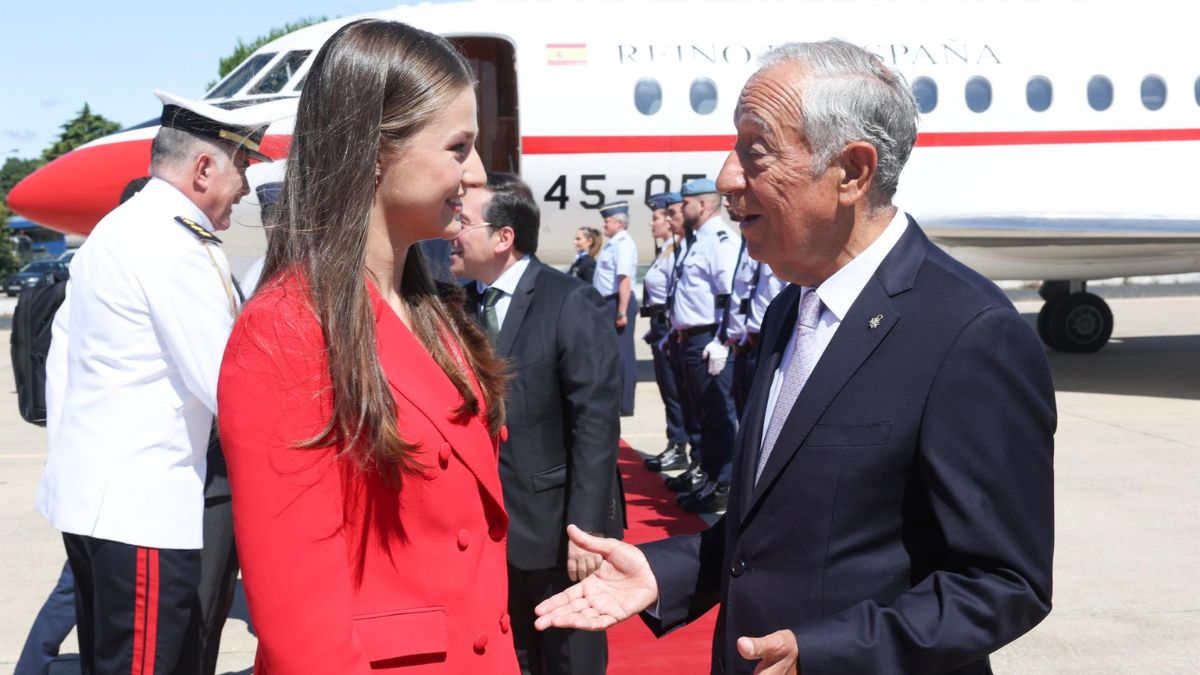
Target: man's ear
[[858, 162], [505, 239], [204, 166]]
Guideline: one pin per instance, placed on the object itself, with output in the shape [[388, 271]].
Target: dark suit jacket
[[904, 521], [583, 267], [559, 463]]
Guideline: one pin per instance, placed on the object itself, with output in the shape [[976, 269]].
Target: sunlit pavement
[[1126, 596]]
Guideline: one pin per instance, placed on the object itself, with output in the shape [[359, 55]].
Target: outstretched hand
[[623, 586], [776, 653]]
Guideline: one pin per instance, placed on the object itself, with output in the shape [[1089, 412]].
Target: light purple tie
[[800, 367]]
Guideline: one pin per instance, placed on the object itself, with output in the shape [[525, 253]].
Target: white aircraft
[[1060, 140]]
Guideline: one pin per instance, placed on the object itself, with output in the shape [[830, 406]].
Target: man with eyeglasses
[[559, 463]]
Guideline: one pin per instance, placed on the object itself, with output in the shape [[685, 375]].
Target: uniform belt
[[611, 297], [682, 334]]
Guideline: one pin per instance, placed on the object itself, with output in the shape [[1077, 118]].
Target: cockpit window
[[234, 83], [281, 74]]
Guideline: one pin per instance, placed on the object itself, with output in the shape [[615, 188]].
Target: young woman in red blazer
[[359, 410]]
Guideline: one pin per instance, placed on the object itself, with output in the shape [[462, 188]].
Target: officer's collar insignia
[[722, 235], [875, 321], [197, 229]]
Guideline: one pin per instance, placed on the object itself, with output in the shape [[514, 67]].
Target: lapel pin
[[875, 321]]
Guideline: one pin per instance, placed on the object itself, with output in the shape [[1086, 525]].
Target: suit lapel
[[517, 307], [418, 379], [869, 321]]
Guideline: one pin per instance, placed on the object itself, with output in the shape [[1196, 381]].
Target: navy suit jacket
[[904, 521]]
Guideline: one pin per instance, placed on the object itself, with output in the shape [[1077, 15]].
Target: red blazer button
[[505, 624], [464, 540], [504, 434], [480, 643], [444, 455], [497, 531]]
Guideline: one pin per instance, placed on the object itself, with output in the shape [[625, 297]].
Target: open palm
[[623, 586]]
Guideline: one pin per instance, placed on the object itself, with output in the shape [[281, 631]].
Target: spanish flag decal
[[574, 54]]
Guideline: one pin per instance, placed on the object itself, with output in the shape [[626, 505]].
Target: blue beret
[[658, 201], [614, 208], [268, 193], [674, 198], [703, 186]]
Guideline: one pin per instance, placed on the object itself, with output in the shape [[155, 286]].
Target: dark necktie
[[491, 321]]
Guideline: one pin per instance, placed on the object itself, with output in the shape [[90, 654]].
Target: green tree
[[86, 126], [11, 173], [243, 50]]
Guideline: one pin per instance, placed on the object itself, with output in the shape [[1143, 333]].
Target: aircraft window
[[925, 91], [300, 84], [1039, 93], [241, 76], [281, 74], [979, 94], [1198, 91], [704, 95], [647, 96], [1100, 92], [1154, 92]]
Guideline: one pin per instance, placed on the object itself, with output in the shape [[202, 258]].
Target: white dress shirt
[[134, 358], [618, 258], [507, 283], [837, 294]]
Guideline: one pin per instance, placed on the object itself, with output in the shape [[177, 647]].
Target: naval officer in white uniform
[[149, 307]]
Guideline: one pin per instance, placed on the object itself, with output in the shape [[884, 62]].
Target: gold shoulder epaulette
[[196, 229]]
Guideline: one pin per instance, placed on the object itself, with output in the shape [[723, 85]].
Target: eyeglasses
[[466, 228]]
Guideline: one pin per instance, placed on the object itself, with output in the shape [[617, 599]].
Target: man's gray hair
[[173, 148], [850, 95], [623, 217]]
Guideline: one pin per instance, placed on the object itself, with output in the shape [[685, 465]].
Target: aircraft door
[[494, 63]]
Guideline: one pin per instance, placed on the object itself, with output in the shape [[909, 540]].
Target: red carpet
[[653, 514]]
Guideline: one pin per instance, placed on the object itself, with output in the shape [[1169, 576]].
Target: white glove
[[716, 354]]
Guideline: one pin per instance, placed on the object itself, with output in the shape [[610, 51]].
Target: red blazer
[[343, 574]]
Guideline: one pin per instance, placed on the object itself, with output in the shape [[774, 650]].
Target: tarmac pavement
[[1126, 596]]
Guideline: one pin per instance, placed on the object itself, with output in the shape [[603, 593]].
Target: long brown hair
[[371, 87]]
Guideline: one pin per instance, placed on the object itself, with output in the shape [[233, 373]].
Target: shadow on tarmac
[[1166, 366]]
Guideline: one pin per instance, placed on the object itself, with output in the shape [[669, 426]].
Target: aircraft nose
[[72, 193]]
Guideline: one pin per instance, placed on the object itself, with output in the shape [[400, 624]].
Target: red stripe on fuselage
[[586, 145]]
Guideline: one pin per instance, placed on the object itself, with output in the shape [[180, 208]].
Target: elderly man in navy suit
[[892, 497]]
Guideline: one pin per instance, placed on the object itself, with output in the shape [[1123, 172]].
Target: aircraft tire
[[1043, 320], [1080, 323]]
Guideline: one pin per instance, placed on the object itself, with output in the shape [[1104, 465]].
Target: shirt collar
[[509, 279], [168, 194], [839, 291]]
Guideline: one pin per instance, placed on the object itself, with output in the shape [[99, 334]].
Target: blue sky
[[57, 54]]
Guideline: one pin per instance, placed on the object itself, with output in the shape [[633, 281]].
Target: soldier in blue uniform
[[702, 297], [655, 288], [615, 269]]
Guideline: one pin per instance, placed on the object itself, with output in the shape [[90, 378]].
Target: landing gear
[[1073, 320]]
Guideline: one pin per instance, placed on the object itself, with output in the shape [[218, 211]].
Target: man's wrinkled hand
[[622, 586], [716, 354], [580, 563], [777, 653]]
